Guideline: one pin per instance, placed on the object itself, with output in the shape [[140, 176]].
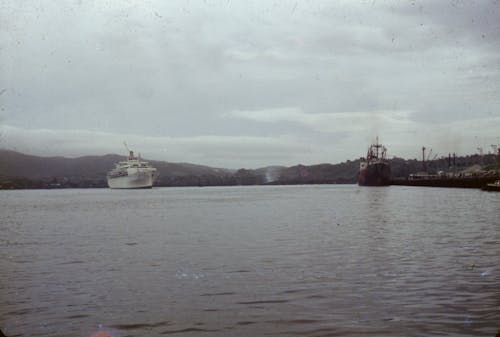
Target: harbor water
[[316, 260]]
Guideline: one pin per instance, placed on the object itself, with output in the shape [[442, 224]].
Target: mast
[[424, 167], [376, 151]]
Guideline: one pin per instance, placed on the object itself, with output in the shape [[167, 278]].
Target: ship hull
[[377, 174], [132, 180]]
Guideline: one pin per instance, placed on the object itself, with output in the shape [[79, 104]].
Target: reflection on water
[[250, 261]]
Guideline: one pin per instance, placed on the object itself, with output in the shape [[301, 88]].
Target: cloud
[[218, 151], [352, 122], [320, 77]]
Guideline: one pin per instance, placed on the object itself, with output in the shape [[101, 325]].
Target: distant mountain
[[17, 164], [18, 170], [90, 171], [343, 173], [184, 174]]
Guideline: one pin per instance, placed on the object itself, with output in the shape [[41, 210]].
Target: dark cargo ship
[[375, 170]]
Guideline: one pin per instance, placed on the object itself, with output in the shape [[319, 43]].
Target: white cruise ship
[[132, 173]]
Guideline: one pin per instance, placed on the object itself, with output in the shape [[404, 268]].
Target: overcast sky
[[249, 83]]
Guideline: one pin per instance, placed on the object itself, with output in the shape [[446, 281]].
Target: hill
[[18, 170]]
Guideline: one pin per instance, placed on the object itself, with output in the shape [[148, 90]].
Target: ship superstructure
[[375, 169]]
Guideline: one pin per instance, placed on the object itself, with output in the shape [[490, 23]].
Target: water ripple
[[186, 330], [251, 261], [135, 326]]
